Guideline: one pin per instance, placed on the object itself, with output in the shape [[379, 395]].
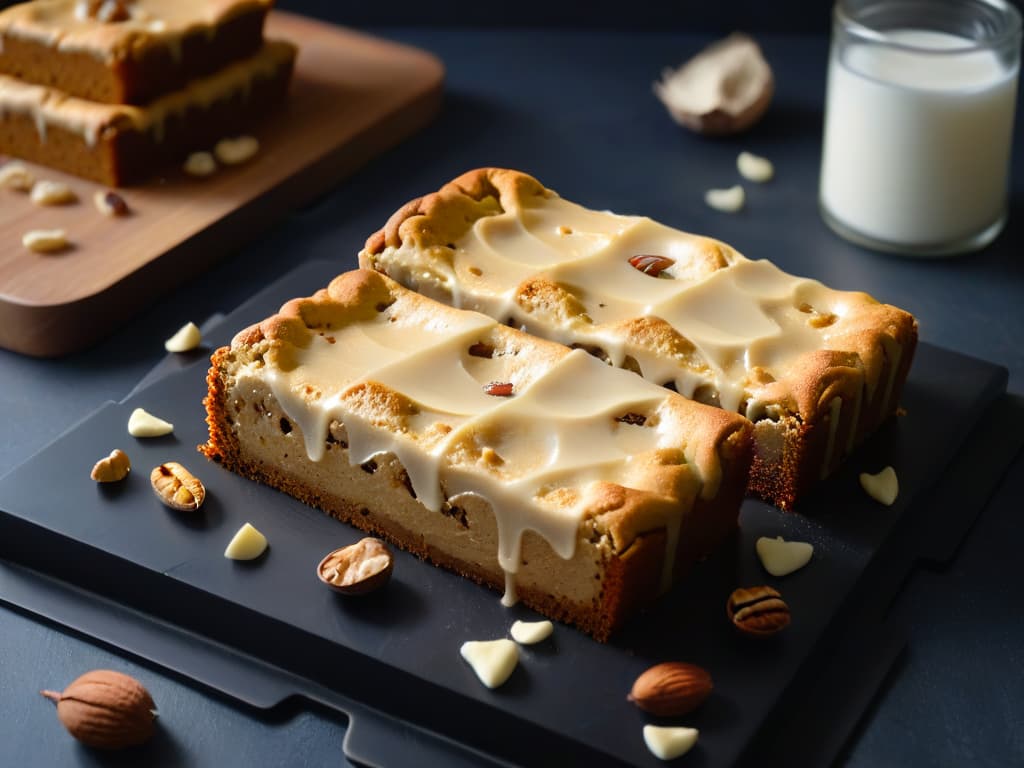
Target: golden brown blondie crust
[[809, 411], [622, 544], [154, 47], [118, 145]]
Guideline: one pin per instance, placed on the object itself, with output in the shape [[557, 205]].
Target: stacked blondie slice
[[114, 90]]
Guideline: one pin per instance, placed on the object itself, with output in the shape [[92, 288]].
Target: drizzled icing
[[61, 24], [50, 107], [744, 318], [535, 457]]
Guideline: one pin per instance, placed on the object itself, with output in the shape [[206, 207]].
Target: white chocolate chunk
[[45, 240], [883, 487], [667, 743], [246, 544], [187, 338], [200, 164], [530, 632], [780, 557], [492, 660], [144, 424], [45, 192], [754, 167], [728, 200], [16, 176], [236, 151]]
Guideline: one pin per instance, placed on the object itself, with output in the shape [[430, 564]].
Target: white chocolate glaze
[[61, 24], [744, 318], [49, 107], [536, 456]]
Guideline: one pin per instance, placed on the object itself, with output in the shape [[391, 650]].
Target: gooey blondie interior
[[816, 370], [579, 488]]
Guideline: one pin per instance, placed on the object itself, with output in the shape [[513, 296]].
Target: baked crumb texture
[[816, 370], [586, 493], [115, 101]]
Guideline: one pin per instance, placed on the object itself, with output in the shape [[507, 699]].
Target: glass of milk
[[918, 123]]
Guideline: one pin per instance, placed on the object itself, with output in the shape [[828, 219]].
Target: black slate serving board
[[398, 651]]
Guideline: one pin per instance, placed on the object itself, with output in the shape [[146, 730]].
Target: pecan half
[[758, 611]]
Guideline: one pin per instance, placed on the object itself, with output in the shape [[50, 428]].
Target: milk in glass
[[917, 139]]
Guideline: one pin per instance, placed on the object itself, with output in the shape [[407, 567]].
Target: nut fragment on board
[[668, 742], [358, 568], [110, 203], [492, 660], [758, 611], [237, 150], [45, 240], [200, 164], [724, 89], [530, 632], [185, 339], [247, 544], [176, 487], [780, 557], [883, 487], [16, 176], [106, 709], [728, 200], [46, 192], [144, 424], [113, 468], [754, 167], [671, 688]]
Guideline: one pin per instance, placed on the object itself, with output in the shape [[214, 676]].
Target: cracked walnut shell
[[358, 568]]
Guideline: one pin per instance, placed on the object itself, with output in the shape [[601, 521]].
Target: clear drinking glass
[[919, 123]]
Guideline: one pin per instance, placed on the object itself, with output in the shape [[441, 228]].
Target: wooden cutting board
[[352, 97]]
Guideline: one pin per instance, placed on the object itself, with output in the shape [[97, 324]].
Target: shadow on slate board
[[567, 695]]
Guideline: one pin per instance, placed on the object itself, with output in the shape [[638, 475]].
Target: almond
[[671, 688], [106, 709]]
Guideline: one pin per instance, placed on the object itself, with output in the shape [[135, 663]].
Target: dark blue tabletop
[[574, 107]]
